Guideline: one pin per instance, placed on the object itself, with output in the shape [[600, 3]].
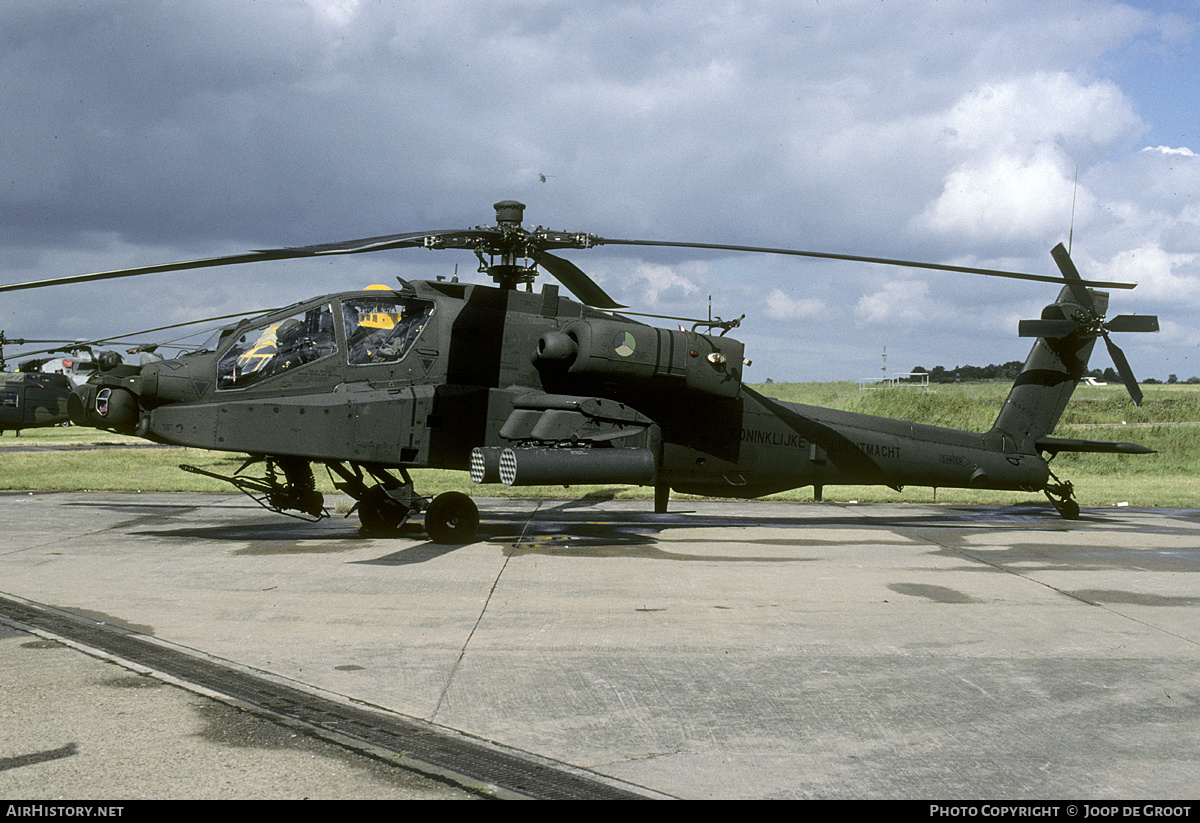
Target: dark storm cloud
[[137, 132]]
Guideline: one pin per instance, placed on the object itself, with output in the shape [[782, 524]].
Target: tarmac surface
[[723, 650]]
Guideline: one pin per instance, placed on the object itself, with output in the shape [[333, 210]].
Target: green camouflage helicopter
[[33, 399], [534, 388], [35, 395]]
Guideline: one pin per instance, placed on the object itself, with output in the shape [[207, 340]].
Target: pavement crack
[[462, 652]]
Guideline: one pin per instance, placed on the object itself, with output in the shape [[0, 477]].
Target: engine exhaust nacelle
[[612, 350]]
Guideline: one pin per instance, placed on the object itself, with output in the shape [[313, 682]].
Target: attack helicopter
[[35, 395], [33, 399], [527, 387]]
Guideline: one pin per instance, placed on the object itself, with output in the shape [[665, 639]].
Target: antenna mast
[[1074, 191]]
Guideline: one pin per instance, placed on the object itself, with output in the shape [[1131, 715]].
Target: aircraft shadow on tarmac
[[17, 761], [579, 528]]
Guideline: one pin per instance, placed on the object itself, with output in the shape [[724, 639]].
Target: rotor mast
[[509, 263]]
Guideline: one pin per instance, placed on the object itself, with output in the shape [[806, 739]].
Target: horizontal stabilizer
[[1054, 445]]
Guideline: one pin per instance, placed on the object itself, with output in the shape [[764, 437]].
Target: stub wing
[[1054, 445]]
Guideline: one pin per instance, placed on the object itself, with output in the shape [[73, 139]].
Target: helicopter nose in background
[[103, 407], [110, 399]]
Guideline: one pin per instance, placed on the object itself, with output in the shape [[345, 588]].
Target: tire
[[452, 518], [1070, 510]]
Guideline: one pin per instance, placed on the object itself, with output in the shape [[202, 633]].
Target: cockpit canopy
[[378, 328], [382, 329]]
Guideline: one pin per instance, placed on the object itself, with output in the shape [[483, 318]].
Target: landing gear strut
[[385, 508], [380, 513], [296, 496]]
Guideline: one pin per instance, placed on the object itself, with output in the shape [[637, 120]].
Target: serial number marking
[[791, 440]]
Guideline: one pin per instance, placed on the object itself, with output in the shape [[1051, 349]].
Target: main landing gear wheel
[[452, 518]]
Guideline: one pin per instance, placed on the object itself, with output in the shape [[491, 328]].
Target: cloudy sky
[[146, 131]]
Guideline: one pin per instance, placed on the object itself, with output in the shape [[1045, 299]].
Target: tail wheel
[[1062, 497], [452, 518]]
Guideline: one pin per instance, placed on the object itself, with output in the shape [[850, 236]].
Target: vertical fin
[[1054, 366]]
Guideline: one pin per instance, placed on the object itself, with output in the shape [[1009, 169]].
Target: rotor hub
[[509, 213], [1089, 322]]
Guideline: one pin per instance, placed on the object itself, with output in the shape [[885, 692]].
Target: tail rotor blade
[[1132, 322], [1046, 328], [1122, 364], [1123, 322], [1071, 274]]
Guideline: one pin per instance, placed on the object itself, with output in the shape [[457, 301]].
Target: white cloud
[[653, 287], [1014, 148], [334, 12], [1182, 150], [903, 301], [1173, 278], [780, 306], [1028, 112], [1002, 199]]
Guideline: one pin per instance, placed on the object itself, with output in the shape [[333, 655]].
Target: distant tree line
[[941, 374], [1171, 378], [1009, 371]]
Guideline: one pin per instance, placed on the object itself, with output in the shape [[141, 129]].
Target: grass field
[[1168, 421]]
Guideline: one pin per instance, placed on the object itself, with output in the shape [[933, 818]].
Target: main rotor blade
[[1122, 364], [453, 237], [231, 260], [1071, 274], [884, 261], [459, 238], [25, 341], [80, 344], [577, 282], [1133, 322]]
